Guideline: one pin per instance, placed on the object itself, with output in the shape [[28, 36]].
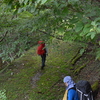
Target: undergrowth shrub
[[3, 95]]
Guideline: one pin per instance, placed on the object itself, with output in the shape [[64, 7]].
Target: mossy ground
[[18, 82]]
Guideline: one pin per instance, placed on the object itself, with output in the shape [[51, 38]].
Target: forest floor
[[23, 79]]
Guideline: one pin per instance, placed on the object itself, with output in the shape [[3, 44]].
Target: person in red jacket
[[41, 50]]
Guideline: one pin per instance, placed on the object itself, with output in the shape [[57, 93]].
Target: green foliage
[[27, 20], [3, 95], [98, 54], [82, 51], [17, 38], [79, 26]]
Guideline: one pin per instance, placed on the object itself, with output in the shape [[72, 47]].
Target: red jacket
[[41, 50]]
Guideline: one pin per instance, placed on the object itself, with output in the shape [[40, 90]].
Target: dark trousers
[[43, 59]]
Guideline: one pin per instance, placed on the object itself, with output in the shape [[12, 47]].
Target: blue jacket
[[72, 95]]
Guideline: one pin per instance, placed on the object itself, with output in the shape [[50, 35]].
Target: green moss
[[95, 86], [75, 59], [71, 67], [79, 69]]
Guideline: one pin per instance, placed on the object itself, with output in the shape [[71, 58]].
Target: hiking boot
[[42, 67]]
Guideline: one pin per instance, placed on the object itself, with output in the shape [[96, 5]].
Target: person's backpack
[[84, 90]]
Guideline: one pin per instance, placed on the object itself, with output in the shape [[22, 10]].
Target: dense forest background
[[24, 22]]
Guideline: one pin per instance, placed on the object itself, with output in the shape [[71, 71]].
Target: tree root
[[77, 71]]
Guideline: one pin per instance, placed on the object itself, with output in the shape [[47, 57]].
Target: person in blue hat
[[71, 93]]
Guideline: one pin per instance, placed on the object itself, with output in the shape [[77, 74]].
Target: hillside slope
[[24, 79]]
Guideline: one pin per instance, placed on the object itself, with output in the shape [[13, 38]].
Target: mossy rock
[[95, 86]]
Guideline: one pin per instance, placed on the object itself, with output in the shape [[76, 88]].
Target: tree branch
[[50, 35]]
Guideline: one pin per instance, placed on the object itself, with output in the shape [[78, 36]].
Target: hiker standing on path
[[71, 93], [41, 50]]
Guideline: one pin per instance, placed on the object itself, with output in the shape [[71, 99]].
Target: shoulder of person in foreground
[[72, 95]]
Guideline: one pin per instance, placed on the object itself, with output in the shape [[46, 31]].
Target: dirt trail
[[35, 78]]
